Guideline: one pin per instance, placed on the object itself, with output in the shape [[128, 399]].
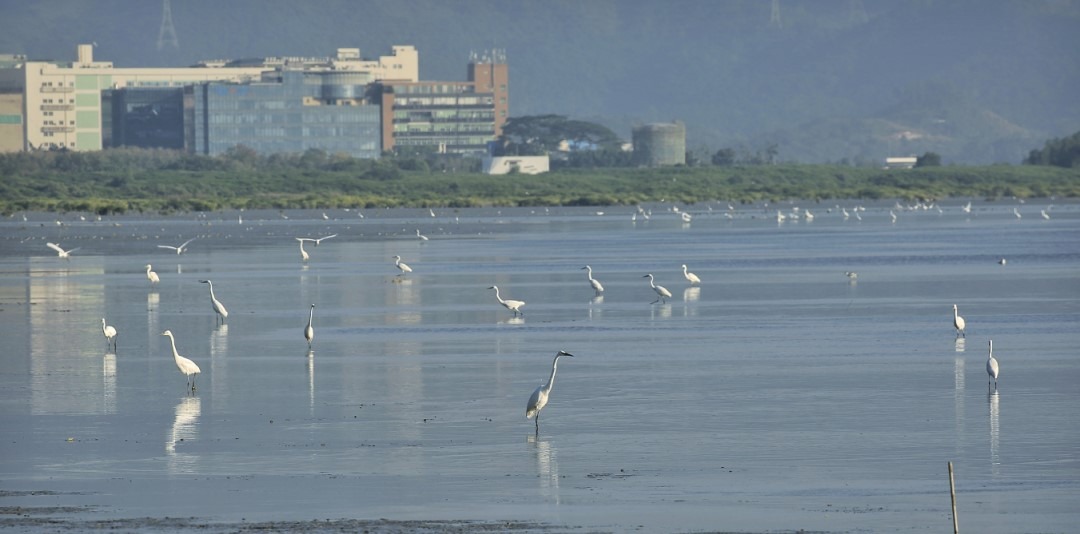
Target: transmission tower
[[774, 18], [167, 33]]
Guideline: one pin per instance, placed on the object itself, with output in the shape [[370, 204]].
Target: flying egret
[[66, 254], [110, 334], [180, 249], [316, 241], [303, 253], [992, 367], [309, 332], [215, 303], [661, 291], [420, 236], [690, 277], [539, 398], [958, 322], [186, 366], [151, 275], [405, 269], [966, 207], [512, 305], [597, 287]]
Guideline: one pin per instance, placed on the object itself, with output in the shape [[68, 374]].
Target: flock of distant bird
[[539, 398]]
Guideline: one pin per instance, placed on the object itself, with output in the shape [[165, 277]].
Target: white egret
[[180, 249], [420, 236], [431, 212], [539, 398], [215, 303], [110, 334], [303, 253], [405, 269], [151, 275], [967, 207], [316, 241], [690, 277], [1017, 213], [66, 254], [852, 275], [1044, 214], [1002, 261], [686, 217], [309, 332], [186, 366], [661, 291], [958, 322], [512, 305], [992, 367], [596, 285], [892, 215]]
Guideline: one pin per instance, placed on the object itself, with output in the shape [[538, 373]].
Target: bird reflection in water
[[514, 320], [995, 431], [311, 380], [184, 429], [959, 346], [547, 467], [108, 391], [958, 397], [691, 294], [219, 341]]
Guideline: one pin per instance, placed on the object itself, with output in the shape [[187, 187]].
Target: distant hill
[[977, 81]]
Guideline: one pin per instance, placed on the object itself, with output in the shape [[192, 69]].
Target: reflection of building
[[657, 145]]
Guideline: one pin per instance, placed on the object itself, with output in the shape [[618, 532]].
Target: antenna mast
[[167, 33]]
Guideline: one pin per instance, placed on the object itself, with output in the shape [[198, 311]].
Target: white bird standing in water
[[596, 285], [852, 275], [66, 254], [539, 397], [151, 275], [405, 269], [958, 322], [992, 367], [690, 277], [512, 305], [1017, 213], [180, 249], [420, 236], [215, 303], [1044, 214], [186, 366], [303, 253], [661, 291], [110, 334], [309, 332]]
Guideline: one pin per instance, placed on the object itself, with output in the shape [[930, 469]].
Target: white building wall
[[524, 164]]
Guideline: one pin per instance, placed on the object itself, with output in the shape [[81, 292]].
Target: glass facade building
[[143, 117], [289, 111], [451, 116]]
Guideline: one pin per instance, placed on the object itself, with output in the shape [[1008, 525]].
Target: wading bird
[[958, 322], [66, 254], [405, 269], [420, 236], [690, 277], [303, 253], [180, 249], [992, 367], [186, 366], [151, 275], [597, 287], [222, 313], [539, 398], [512, 305], [661, 291], [309, 332], [852, 275], [110, 334]]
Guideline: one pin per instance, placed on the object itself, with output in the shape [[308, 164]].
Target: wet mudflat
[[777, 395]]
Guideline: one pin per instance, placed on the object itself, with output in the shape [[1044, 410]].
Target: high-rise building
[[63, 100]]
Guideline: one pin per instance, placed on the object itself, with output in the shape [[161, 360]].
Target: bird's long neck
[[175, 354], [551, 380], [212, 297], [497, 295], [991, 355], [311, 314], [652, 283]]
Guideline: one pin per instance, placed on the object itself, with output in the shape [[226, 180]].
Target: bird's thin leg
[[537, 423]]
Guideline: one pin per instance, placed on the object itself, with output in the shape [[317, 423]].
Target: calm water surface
[[778, 395]]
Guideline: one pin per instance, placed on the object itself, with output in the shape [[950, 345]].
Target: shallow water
[[778, 395]]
